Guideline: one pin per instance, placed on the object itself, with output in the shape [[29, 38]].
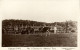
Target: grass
[[40, 40]]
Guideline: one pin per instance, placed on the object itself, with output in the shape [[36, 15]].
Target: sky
[[40, 10]]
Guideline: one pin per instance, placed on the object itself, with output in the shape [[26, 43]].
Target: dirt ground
[[40, 40]]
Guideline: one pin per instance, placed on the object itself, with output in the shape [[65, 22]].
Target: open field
[[40, 40]]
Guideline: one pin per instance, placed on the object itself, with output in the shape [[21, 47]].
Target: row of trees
[[19, 23], [35, 23]]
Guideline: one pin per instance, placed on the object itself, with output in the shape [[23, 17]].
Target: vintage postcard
[[39, 24]]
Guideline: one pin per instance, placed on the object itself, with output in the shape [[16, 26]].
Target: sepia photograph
[[39, 23], [26, 33]]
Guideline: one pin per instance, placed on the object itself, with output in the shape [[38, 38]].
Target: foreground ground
[[40, 40]]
